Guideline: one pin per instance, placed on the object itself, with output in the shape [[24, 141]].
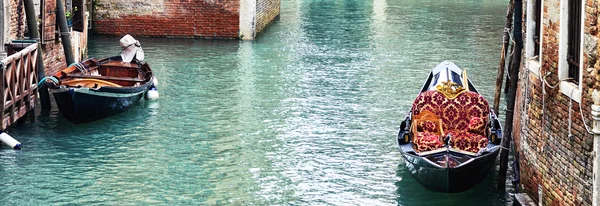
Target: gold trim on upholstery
[[424, 116], [450, 89], [465, 82]]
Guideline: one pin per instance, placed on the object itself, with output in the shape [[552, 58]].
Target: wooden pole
[[505, 41], [35, 34], [513, 74], [65, 35]]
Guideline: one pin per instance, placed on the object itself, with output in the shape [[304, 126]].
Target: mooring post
[[513, 75], [65, 34], [596, 132], [34, 34], [505, 43]]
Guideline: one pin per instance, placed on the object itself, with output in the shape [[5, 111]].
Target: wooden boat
[[95, 89], [450, 137]]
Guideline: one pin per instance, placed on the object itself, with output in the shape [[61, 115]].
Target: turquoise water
[[305, 115]]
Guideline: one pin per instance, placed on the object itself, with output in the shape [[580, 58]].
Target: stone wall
[[266, 11], [167, 18], [554, 164]]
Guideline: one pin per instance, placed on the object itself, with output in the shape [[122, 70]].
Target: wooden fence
[[18, 83]]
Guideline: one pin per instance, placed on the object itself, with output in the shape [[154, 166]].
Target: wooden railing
[[18, 85]]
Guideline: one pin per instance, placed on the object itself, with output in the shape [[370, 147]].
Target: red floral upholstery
[[427, 126], [476, 125], [465, 116], [467, 141], [427, 141], [461, 140], [455, 113], [479, 141]]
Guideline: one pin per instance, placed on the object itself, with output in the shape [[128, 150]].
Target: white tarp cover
[[131, 48]]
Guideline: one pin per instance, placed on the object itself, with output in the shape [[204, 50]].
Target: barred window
[[574, 40], [78, 9]]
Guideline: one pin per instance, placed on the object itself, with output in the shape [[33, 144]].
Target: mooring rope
[[47, 78], [587, 129]]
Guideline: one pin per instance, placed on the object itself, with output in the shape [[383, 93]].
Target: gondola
[[450, 138], [95, 89]]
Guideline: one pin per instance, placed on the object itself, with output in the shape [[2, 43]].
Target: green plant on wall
[[69, 15]]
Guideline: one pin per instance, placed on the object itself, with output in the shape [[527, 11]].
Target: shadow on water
[[410, 192]]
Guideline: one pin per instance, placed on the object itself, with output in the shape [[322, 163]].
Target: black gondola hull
[[86, 105], [451, 180]]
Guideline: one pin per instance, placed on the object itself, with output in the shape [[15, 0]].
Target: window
[[534, 35], [574, 40], [537, 15], [2, 17], [78, 9], [570, 48]]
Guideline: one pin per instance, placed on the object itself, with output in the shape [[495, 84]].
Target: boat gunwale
[[144, 84]]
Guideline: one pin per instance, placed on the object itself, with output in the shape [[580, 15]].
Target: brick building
[[13, 26], [553, 115], [228, 19]]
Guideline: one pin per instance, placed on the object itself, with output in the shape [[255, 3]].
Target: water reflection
[[483, 194]]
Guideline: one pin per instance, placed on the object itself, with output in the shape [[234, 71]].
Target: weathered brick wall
[[54, 56], [17, 20], [549, 158], [266, 11], [48, 30], [164, 18]]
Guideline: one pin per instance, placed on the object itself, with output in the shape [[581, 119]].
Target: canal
[[305, 115]]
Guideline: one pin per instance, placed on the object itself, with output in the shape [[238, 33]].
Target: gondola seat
[[427, 141], [467, 141], [427, 132], [463, 114]]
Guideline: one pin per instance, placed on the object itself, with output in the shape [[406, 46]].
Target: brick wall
[[164, 18], [17, 20], [549, 158], [266, 11]]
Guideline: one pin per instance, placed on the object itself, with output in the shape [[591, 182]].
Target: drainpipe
[[596, 132], [35, 35], [65, 35]]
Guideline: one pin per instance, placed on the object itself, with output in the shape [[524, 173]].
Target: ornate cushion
[[427, 126], [427, 141], [479, 141], [476, 125], [467, 141], [461, 140]]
